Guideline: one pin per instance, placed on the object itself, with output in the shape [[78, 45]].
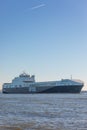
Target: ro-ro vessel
[[26, 84]]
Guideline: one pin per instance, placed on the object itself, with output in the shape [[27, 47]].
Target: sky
[[47, 38]]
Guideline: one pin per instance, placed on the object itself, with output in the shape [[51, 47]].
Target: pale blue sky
[[47, 38]]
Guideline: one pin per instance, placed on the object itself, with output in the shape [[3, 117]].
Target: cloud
[[35, 7], [38, 6]]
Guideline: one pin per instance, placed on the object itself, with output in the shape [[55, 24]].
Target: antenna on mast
[[71, 77]]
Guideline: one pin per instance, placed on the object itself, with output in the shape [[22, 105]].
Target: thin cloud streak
[[38, 6]]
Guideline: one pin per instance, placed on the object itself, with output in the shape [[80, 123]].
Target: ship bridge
[[24, 78]]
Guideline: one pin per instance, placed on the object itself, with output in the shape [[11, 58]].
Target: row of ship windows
[[35, 85], [51, 84], [15, 86]]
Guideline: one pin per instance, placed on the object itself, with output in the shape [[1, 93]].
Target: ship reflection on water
[[43, 111]]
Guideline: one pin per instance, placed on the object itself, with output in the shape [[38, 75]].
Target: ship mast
[[71, 77]]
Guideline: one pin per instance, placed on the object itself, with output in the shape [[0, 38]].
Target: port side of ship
[[26, 84]]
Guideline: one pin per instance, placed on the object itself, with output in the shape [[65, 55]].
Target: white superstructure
[[21, 81]]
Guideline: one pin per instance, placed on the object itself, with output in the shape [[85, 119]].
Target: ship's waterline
[[26, 84]]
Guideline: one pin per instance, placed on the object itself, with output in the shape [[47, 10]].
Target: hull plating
[[55, 89]]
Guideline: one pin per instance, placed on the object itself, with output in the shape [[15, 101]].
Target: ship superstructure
[[26, 84]]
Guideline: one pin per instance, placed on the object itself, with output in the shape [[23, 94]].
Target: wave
[[9, 128]]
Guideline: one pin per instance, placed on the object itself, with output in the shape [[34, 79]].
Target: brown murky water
[[43, 111]]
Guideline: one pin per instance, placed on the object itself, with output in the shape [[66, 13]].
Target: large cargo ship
[[26, 84]]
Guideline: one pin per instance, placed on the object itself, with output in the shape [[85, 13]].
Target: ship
[[26, 84]]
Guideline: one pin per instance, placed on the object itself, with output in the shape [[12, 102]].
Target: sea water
[[43, 111]]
